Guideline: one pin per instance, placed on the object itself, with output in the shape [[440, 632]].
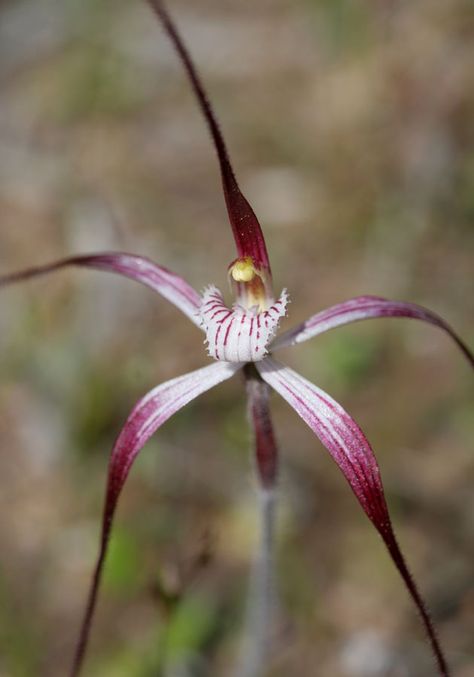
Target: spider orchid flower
[[243, 338]]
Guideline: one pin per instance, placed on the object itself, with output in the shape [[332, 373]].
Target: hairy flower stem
[[261, 594], [261, 598]]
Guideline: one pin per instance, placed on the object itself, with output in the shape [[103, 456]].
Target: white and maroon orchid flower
[[243, 337]]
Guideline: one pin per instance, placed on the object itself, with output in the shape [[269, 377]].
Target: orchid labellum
[[243, 337]]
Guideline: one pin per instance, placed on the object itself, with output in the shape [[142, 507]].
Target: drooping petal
[[168, 284], [238, 334], [147, 416], [266, 451], [245, 226], [349, 448], [364, 308]]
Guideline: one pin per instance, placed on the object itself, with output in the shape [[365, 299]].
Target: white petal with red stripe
[[238, 334]]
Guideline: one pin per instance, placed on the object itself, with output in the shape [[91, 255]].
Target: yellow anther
[[243, 270]]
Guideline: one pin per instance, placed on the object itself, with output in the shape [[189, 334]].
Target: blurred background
[[351, 129]]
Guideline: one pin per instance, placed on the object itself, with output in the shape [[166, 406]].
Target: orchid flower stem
[[261, 595], [261, 598]]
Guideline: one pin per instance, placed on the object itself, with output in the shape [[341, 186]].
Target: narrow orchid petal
[[245, 226], [168, 284], [147, 416], [266, 451], [349, 448], [364, 308]]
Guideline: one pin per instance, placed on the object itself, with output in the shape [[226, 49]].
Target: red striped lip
[[239, 334]]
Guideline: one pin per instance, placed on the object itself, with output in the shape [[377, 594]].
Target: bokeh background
[[351, 128]]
